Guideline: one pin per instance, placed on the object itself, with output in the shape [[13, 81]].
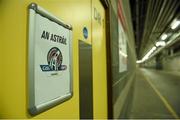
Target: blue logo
[[54, 60], [85, 32]]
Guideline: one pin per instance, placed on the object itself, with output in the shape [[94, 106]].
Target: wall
[[172, 63], [165, 61], [122, 82], [13, 78], [171, 59]]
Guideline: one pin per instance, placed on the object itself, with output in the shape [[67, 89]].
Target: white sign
[[122, 48], [50, 67]]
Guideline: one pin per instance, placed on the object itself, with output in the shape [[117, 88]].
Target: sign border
[[36, 109]]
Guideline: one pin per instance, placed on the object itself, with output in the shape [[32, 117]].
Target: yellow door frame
[[106, 5]]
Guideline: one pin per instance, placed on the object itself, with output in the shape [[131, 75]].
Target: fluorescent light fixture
[[164, 36], [160, 43], [175, 24], [148, 54], [139, 61], [153, 48]]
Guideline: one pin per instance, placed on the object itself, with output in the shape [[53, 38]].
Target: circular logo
[[85, 32], [54, 58]]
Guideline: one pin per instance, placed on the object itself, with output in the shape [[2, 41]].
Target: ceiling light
[[175, 24], [149, 53], [153, 48], [139, 61], [160, 43], [164, 36]]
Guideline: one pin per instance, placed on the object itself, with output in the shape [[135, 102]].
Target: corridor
[[156, 94], [90, 59]]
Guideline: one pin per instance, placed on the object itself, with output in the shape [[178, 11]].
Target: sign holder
[[41, 104]]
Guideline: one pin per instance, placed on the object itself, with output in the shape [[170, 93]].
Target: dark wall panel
[[85, 80]]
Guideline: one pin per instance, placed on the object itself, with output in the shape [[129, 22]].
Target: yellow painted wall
[[99, 61], [13, 79], [13, 56]]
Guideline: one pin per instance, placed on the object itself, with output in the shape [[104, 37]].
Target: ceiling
[[151, 18]]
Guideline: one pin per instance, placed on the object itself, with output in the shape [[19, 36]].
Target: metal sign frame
[[33, 107]]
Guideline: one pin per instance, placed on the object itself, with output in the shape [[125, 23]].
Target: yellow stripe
[[168, 106]]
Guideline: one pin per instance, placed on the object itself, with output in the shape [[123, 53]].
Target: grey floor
[[147, 103]]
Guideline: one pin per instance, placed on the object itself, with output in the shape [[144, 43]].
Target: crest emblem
[[54, 60]]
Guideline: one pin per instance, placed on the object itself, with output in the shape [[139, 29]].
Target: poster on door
[[50, 67]]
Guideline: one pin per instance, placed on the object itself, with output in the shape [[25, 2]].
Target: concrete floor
[[156, 95]]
